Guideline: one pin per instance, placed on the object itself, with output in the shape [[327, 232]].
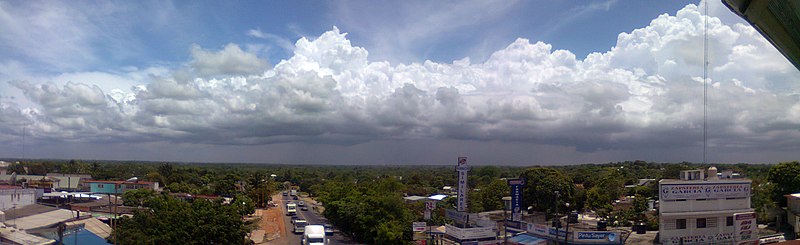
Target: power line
[[705, 84]]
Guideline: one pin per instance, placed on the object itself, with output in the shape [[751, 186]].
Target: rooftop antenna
[[705, 83]]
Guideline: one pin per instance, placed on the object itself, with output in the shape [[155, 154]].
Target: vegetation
[[365, 202], [169, 220]]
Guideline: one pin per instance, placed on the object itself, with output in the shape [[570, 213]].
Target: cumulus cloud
[[231, 60], [645, 92]]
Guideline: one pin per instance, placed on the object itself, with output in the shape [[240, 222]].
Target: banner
[[703, 191]]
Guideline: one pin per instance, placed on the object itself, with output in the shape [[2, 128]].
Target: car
[[301, 203], [304, 208], [328, 229], [285, 193], [294, 197]]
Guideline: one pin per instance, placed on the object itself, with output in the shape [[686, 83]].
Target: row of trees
[[169, 220], [370, 212], [366, 201]]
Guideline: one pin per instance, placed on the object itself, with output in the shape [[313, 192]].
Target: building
[[12, 197], [69, 181], [50, 181], [700, 210], [793, 212], [119, 187]]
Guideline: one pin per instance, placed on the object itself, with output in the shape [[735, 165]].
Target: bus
[[291, 209]]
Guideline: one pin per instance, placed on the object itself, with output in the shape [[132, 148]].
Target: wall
[[19, 197]]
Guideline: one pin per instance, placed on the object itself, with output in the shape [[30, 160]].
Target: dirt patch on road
[[272, 223]]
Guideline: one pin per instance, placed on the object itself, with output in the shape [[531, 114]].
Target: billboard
[[469, 233], [537, 229], [462, 169], [704, 191], [744, 226], [598, 236], [418, 226], [516, 197]]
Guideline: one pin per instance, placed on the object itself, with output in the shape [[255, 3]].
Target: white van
[[291, 209], [314, 235]]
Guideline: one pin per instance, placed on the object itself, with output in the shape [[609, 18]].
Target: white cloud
[[231, 60], [641, 94]]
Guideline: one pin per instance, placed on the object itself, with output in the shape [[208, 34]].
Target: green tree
[[785, 178], [639, 206], [489, 197], [173, 221], [540, 187], [597, 201], [137, 197]]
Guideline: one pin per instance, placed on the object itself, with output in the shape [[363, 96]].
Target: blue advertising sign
[[516, 197]]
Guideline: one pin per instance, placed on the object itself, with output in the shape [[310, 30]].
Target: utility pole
[[566, 234], [557, 221]]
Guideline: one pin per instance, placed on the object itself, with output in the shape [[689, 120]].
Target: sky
[[391, 82]]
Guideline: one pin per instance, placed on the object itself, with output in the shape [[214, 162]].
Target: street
[[312, 218]]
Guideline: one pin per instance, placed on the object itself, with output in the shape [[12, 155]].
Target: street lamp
[[566, 234]]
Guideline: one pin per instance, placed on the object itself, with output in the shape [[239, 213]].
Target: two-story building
[[705, 210], [119, 187]]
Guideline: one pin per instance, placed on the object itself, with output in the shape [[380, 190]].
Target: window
[[729, 221], [680, 224], [701, 223]]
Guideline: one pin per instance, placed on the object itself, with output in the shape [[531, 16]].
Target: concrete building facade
[[12, 197], [119, 187], [793, 212], [704, 210]]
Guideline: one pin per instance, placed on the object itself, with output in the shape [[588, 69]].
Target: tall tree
[[786, 179], [540, 187]]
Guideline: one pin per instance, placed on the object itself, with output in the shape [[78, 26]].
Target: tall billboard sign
[[462, 169], [516, 197], [744, 226]]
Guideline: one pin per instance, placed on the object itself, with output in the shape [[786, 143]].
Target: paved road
[[313, 219]]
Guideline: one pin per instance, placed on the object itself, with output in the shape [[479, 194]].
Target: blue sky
[[368, 82]]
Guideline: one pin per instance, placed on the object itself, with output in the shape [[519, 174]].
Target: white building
[[793, 211], [15, 197], [700, 210]]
